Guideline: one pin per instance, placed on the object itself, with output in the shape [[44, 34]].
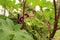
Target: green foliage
[[36, 24], [41, 3], [9, 31], [3, 17]]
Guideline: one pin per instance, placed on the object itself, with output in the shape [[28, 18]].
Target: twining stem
[[55, 22], [24, 3]]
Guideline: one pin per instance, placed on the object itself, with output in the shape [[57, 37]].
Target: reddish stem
[[55, 22], [24, 2]]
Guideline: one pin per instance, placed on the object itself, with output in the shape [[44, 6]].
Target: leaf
[[17, 27], [33, 2], [39, 15], [2, 17], [2, 23], [6, 32], [21, 35], [9, 22]]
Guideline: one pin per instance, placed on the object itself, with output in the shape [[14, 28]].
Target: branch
[[55, 22], [57, 28], [24, 3]]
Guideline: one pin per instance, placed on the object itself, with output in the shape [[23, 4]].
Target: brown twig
[[24, 3], [57, 28], [55, 23]]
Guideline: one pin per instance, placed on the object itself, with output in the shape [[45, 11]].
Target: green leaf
[[17, 27], [6, 32], [9, 22], [22, 35]]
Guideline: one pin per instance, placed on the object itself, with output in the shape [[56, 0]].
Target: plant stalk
[[55, 22], [24, 3]]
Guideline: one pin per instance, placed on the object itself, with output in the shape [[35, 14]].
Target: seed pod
[[21, 19], [48, 24], [26, 15], [33, 11]]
